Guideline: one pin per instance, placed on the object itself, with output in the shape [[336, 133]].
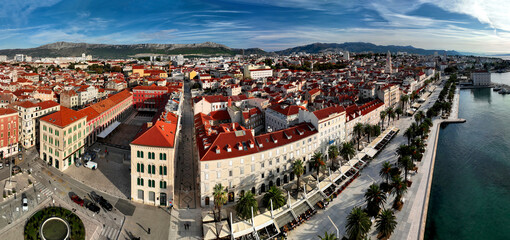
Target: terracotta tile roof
[[220, 115], [6, 111], [287, 111], [162, 134], [47, 104], [63, 117], [326, 112], [90, 112], [25, 104]]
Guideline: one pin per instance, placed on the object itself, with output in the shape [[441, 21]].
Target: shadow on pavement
[[125, 207]]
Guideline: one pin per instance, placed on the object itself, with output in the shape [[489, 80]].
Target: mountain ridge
[[98, 50]]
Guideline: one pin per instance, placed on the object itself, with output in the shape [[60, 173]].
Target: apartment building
[[150, 98], [69, 99], [281, 116], [330, 123], [153, 155], [29, 115], [8, 131], [62, 137], [231, 155]]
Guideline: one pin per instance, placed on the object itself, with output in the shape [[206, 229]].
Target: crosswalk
[[109, 232], [42, 190]]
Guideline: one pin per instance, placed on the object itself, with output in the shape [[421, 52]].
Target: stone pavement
[[181, 217], [146, 217], [353, 195]]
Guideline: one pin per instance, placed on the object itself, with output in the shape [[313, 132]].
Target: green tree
[[368, 130], [385, 171], [386, 223], [328, 236], [333, 153], [318, 162], [383, 116], [220, 199], [399, 112], [390, 113], [347, 151], [375, 198], [406, 164], [404, 99], [398, 188], [358, 129], [245, 204], [358, 224], [276, 195], [298, 170]]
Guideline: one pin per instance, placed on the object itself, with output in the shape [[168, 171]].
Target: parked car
[[1, 165], [89, 156], [90, 164], [101, 201], [16, 169], [24, 201], [77, 199], [96, 150], [92, 207]]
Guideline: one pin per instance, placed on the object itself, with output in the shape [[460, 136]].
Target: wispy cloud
[[18, 10]]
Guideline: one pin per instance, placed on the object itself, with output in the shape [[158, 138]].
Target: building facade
[[8, 131], [62, 137]]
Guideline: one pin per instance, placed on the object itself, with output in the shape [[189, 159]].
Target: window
[[206, 166], [164, 170], [230, 173], [242, 170], [162, 156], [218, 175], [162, 184], [153, 169], [138, 167], [160, 170], [152, 195], [149, 169], [141, 167], [219, 165]]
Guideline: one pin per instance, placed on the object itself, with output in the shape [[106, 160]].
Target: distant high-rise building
[[346, 55], [388, 63]]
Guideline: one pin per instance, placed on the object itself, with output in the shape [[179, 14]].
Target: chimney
[[229, 102]]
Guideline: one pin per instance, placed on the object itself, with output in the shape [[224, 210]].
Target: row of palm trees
[[247, 202], [391, 114], [367, 130]]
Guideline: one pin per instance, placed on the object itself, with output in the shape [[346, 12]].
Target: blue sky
[[479, 26]]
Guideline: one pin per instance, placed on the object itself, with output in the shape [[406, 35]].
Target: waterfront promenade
[[409, 218]]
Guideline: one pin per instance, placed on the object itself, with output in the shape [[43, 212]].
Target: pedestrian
[[149, 230]]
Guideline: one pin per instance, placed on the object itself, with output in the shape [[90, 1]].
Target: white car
[[97, 150], [90, 164], [25, 202]]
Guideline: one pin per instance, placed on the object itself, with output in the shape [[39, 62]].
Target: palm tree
[[418, 117], [393, 115], [383, 116], [399, 188], [409, 133], [399, 112], [347, 151], [390, 113], [385, 171], [245, 204], [375, 198], [406, 164], [220, 198], [276, 195], [404, 99], [376, 130], [317, 162], [333, 153], [358, 224], [386, 223], [328, 236], [368, 129], [428, 121], [358, 129], [298, 170]]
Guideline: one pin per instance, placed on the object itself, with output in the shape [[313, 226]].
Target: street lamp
[[334, 225]]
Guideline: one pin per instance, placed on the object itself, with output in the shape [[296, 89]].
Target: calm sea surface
[[470, 196]]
